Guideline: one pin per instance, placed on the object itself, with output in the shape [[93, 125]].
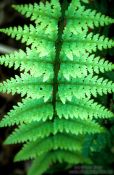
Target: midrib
[[57, 62]]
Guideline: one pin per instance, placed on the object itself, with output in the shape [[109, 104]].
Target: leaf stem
[[58, 46]]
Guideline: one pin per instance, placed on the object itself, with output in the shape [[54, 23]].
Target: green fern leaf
[[39, 66], [27, 84], [35, 109], [50, 11], [82, 65], [84, 87], [44, 161], [80, 17], [38, 130], [59, 77], [45, 145], [83, 109]]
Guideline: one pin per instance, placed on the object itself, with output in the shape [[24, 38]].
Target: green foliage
[[60, 74], [44, 161]]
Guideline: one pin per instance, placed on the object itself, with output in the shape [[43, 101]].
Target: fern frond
[[59, 141], [37, 11], [34, 36], [30, 132], [35, 109], [58, 80], [27, 85], [44, 161], [84, 87], [38, 130], [40, 164], [83, 109], [79, 17], [77, 126], [82, 65], [39, 66], [82, 43]]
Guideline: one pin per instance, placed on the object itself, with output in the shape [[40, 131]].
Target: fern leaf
[[82, 65], [59, 141], [30, 61], [86, 43], [80, 17], [77, 126], [84, 87], [44, 161], [36, 12], [30, 132], [40, 164], [32, 36], [37, 130], [35, 109], [58, 81], [68, 156], [26, 84], [83, 109]]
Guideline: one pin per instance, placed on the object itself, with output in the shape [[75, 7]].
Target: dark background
[[9, 17]]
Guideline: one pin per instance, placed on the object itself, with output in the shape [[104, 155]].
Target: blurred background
[[99, 147]]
